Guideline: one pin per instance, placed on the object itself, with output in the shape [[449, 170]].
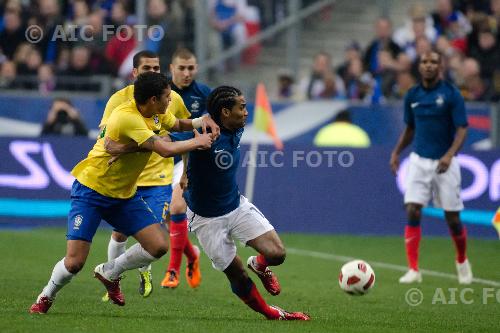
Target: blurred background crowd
[[98, 37]]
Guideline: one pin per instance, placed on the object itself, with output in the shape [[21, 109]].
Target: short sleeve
[[168, 120], [124, 125], [408, 112], [177, 106], [115, 100], [458, 113]]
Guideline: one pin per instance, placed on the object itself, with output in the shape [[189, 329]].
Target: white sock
[[116, 249], [134, 257], [59, 278]]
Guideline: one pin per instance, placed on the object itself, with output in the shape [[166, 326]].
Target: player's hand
[[113, 159], [204, 140], [394, 163], [214, 128], [444, 164]]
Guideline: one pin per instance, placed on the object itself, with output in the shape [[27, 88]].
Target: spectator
[[342, 133], [46, 79], [382, 42], [322, 82], [358, 84], [63, 119], [487, 53], [33, 61], [226, 16], [8, 75], [12, 34], [286, 87], [404, 81], [419, 24], [351, 52], [475, 89], [451, 23]]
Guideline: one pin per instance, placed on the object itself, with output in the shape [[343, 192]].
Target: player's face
[[429, 66], [163, 102], [237, 117], [147, 65], [183, 71]]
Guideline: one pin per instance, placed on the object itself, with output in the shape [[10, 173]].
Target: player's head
[[227, 107], [145, 61], [429, 65], [152, 91], [183, 68]]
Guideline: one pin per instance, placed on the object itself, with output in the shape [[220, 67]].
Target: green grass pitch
[[308, 278]]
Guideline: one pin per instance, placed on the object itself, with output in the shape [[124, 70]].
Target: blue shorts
[[158, 199], [88, 208]]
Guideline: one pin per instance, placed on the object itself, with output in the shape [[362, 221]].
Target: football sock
[[116, 249], [136, 256], [59, 278], [460, 241], [178, 237], [412, 242], [261, 262], [251, 296]]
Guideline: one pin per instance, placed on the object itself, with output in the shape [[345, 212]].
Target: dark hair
[[440, 56], [183, 53], [143, 54], [149, 84], [62, 99], [221, 97], [343, 115]]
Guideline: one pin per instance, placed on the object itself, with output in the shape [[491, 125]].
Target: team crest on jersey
[[440, 100], [77, 222], [195, 106], [155, 119]]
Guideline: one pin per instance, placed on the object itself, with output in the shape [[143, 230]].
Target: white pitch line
[[334, 257]]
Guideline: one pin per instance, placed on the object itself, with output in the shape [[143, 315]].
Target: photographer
[[63, 119]]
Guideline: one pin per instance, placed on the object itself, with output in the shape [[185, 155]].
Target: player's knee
[[118, 237], [74, 265], [414, 212], [277, 255]]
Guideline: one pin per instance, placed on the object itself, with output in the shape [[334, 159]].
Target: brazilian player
[[106, 188]]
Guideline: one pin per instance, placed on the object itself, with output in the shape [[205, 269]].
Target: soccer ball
[[356, 277]]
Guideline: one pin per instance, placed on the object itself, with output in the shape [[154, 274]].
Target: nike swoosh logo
[[414, 105], [238, 147], [407, 240], [218, 150]]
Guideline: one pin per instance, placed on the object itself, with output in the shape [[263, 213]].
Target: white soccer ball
[[356, 277]]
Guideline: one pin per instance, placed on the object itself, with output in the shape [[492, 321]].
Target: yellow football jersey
[[124, 125], [159, 170]]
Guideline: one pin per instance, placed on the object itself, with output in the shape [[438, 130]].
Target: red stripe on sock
[[412, 242], [178, 238], [460, 242]]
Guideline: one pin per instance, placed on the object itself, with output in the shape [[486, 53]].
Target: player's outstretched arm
[[165, 148], [203, 122], [115, 148], [404, 140]]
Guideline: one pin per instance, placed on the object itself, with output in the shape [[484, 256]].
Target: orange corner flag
[[496, 221], [264, 121]]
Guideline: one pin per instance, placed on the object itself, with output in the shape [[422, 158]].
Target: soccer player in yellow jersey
[[154, 183], [105, 188]]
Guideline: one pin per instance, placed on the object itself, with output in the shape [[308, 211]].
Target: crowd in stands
[[465, 32], [99, 37]]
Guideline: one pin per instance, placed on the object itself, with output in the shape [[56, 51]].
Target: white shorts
[[176, 177], [423, 182], [217, 234]]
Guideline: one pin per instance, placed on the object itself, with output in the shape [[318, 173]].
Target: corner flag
[[263, 120], [496, 221]]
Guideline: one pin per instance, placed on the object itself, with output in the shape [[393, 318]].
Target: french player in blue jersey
[[184, 68], [218, 214], [434, 113]]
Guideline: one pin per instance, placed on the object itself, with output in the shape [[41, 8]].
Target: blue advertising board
[[299, 189]]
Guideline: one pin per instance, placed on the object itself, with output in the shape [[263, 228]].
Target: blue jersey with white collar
[[194, 97], [435, 114], [212, 189]]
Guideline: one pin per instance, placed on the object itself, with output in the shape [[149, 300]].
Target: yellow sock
[[496, 221]]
